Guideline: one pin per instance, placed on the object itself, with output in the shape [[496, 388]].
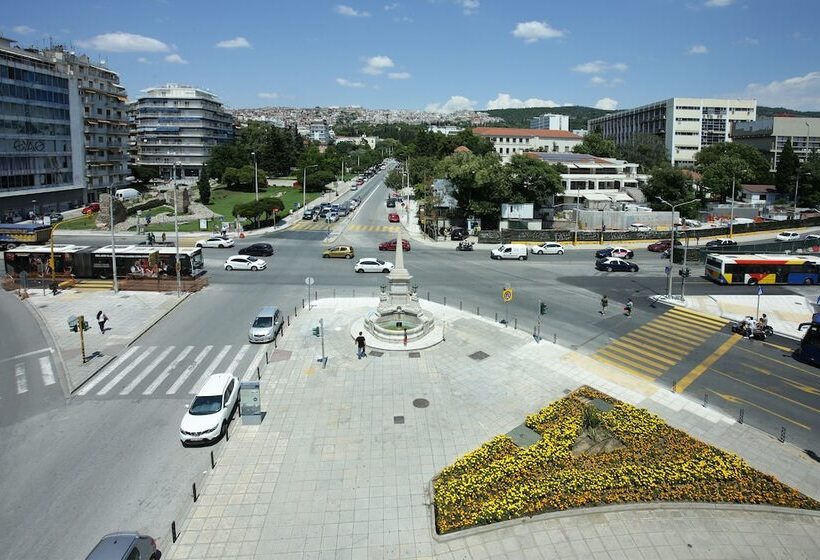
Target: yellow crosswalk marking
[[649, 352], [672, 348], [649, 365], [624, 367], [698, 315]]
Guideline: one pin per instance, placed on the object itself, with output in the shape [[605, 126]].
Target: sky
[[444, 55]]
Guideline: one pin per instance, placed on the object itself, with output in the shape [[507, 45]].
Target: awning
[[596, 196], [622, 197]]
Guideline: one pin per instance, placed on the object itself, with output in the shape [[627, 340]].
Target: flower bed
[[500, 481]]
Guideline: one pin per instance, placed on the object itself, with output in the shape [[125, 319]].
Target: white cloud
[[599, 67], [399, 75], [23, 29], [343, 10], [718, 3], [507, 101], [748, 42], [392, 6], [455, 103], [469, 6], [268, 95], [123, 42], [698, 49], [403, 19], [800, 92], [175, 59], [606, 103], [532, 31], [377, 64], [347, 83], [601, 81], [143, 60], [235, 43]]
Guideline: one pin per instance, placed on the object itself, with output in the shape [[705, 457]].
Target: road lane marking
[[256, 361], [126, 370], [766, 391], [26, 355], [162, 376], [787, 364], [148, 369], [188, 370], [209, 370], [777, 346], [238, 358], [20, 375], [794, 384], [85, 389], [698, 370], [47, 371], [735, 400]]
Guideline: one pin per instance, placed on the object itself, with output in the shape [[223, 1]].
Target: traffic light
[[684, 272], [85, 325], [543, 308], [315, 331]]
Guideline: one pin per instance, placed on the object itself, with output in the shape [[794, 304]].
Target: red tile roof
[[759, 188], [532, 132]]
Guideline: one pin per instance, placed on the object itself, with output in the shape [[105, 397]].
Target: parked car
[[511, 251], [125, 546], [244, 262], [344, 210], [639, 227], [258, 250], [267, 325], [216, 241], [613, 264], [391, 245], [548, 248], [91, 208], [813, 236], [391, 203], [393, 217], [458, 234], [339, 252], [788, 236], [332, 216], [618, 252], [209, 415], [372, 265], [662, 245], [721, 242]]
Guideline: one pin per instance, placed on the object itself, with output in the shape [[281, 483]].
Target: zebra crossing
[[321, 226], [183, 370], [29, 374]]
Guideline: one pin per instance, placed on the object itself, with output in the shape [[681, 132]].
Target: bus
[[763, 269]]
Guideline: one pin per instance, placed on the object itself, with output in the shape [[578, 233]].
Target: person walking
[[163, 237], [360, 344], [628, 308], [604, 305], [101, 320]]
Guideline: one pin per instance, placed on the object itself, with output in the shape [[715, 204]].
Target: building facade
[[511, 141], [769, 135], [179, 124], [685, 124], [550, 121], [319, 131]]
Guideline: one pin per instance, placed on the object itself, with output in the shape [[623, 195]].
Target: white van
[[127, 194], [510, 252]]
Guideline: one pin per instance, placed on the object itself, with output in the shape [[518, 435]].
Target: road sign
[[507, 295], [309, 280]]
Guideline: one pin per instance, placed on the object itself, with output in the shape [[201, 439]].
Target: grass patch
[[655, 463], [158, 210], [223, 200], [87, 221]]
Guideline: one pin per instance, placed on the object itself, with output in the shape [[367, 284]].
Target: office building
[[684, 124], [769, 135], [510, 141], [550, 121], [179, 123]]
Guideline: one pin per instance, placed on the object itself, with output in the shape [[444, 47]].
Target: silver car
[[266, 326]]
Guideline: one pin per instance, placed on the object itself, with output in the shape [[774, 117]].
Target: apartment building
[[769, 135], [319, 131], [550, 121], [685, 124], [179, 124], [511, 141], [41, 141]]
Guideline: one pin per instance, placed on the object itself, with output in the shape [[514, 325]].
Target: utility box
[[250, 402]]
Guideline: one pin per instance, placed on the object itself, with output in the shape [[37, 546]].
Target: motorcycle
[[465, 246], [757, 334]]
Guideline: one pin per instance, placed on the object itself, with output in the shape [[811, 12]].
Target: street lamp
[[113, 242], [304, 183], [672, 244], [176, 231], [255, 175], [732, 211]]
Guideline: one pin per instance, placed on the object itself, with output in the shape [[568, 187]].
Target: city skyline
[[444, 55]]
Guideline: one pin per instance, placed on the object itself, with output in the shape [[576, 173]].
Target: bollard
[[496, 316], [674, 385], [705, 399], [194, 487], [460, 306], [227, 433], [555, 338], [212, 460], [266, 353], [428, 295], [258, 374], [515, 323], [295, 312], [174, 531], [315, 295], [477, 310], [303, 303], [288, 320], [740, 417], [274, 345], [445, 301], [782, 437]]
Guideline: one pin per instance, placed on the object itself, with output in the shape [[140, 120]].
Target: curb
[[157, 320], [64, 382]]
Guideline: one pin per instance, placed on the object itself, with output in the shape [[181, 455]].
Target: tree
[[809, 192], [143, 173], [647, 150], [720, 174], [758, 166], [478, 180], [204, 187], [787, 168], [530, 179], [241, 179], [394, 179], [670, 184], [595, 144]]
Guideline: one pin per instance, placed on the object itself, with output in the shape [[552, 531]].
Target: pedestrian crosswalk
[[28, 375], [657, 346], [321, 226], [173, 370]]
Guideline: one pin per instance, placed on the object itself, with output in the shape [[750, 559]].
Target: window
[[134, 554]]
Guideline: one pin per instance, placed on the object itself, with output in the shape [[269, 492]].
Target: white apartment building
[[511, 141], [447, 130], [319, 131], [685, 124], [179, 123], [550, 121], [769, 135]]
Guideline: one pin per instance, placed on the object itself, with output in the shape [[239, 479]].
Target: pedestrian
[[604, 305], [101, 320], [360, 352], [163, 237], [628, 308]]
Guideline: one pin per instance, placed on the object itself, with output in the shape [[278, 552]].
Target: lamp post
[[672, 244], [304, 183], [255, 176], [113, 242], [732, 211], [33, 211], [176, 232]]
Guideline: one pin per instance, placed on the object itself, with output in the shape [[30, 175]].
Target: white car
[[788, 236], [639, 227], [245, 262], [548, 248], [210, 413], [218, 242], [372, 265]]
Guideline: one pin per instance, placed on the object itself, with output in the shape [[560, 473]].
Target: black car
[[612, 264], [56, 217], [458, 234], [258, 250], [721, 243], [391, 203]]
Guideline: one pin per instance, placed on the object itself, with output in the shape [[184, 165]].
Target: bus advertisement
[[763, 269]]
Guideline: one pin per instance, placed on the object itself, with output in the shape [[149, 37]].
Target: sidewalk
[[341, 464]]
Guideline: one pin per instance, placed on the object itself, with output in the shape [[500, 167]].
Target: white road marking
[[241, 354], [48, 373], [20, 374], [126, 370], [138, 379], [27, 354], [211, 368], [162, 376], [85, 389], [188, 370], [256, 361]]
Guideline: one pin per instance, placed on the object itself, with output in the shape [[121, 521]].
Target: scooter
[[757, 334], [465, 246]]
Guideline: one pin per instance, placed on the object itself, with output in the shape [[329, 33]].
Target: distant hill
[[578, 115]]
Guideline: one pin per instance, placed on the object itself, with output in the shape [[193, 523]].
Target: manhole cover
[[421, 403], [415, 354], [376, 353], [398, 419], [601, 405], [479, 355]]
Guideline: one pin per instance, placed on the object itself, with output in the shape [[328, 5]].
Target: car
[[344, 210], [391, 203], [216, 241], [91, 208], [266, 326], [372, 265], [813, 236], [338, 252], [245, 262], [258, 250], [391, 245], [308, 213], [788, 236], [721, 242], [548, 248], [332, 217], [393, 217], [662, 245], [613, 264], [125, 546], [639, 227], [354, 187], [618, 252], [209, 414], [55, 217], [458, 234]]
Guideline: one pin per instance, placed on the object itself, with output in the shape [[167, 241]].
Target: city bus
[[763, 269]]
